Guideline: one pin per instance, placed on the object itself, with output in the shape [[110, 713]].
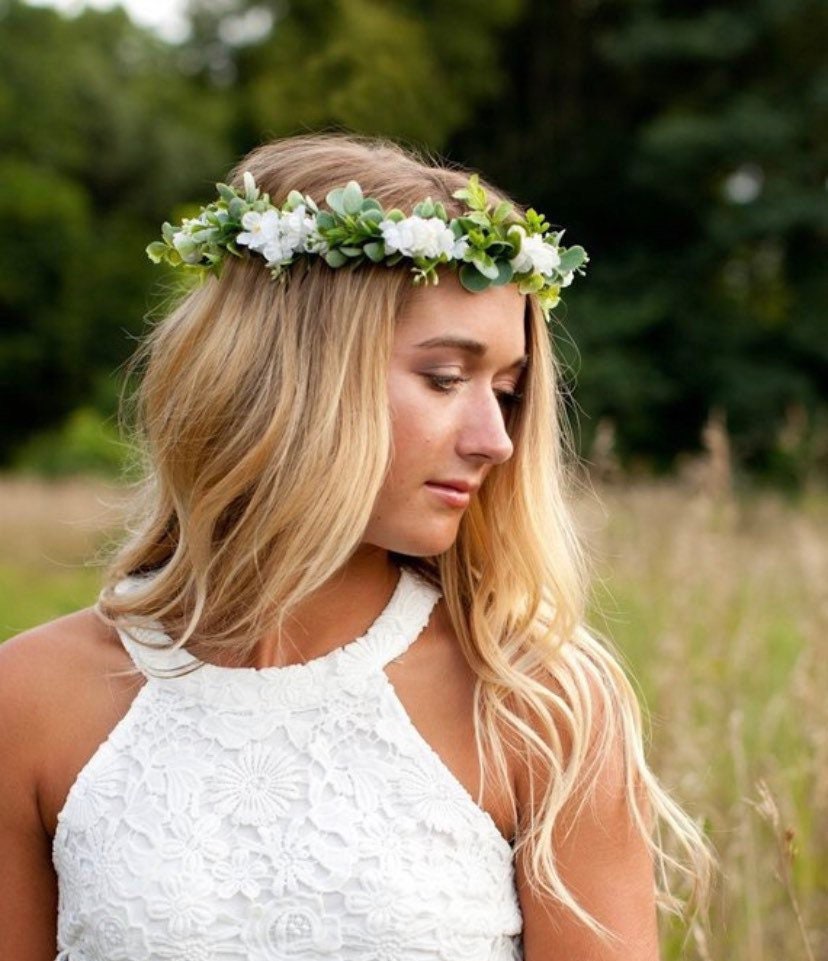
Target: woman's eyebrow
[[474, 347]]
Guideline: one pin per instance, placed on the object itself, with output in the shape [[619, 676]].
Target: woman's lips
[[450, 495]]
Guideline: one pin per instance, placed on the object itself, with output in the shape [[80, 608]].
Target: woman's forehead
[[496, 315]]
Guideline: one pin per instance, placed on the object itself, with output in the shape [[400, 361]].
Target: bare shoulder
[[41, 665], [63, 686]]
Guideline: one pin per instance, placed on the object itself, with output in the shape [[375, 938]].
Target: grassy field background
[[720, 606]]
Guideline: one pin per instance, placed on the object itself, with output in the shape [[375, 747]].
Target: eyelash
[[443, 382]]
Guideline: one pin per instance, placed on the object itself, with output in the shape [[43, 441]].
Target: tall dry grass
[[720, 605]]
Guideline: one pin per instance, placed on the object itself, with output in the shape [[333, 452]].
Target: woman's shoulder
[[45, 659], [64, 685]]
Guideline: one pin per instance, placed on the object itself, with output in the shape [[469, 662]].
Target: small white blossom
[[296, 227], [421, 237], [566, 279], [536, 256], [259, 229], [275, 235]]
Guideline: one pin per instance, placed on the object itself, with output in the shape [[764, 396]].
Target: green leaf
[[335, 258], [531, 284], [425, 208], [375, 251], [485, 264], [294, 199], [352, 197], [505, 272], [515, 237], [370, 204], [325, 220], [237, 208], [226, 193], [502, 211], [372, 216], [335, 201], [157, 251], [351, 251], [572, 258], [471, 278]]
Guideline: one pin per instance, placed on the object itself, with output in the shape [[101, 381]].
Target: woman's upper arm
[[605, 863], [28, 905]]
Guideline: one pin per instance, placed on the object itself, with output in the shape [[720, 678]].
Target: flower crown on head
[[487, 247]]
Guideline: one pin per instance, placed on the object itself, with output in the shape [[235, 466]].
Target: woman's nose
[[484, 433]]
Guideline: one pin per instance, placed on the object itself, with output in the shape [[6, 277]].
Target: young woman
[[337, 698]]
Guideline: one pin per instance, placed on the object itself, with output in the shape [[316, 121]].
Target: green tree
[[99, 140], [684, 144]]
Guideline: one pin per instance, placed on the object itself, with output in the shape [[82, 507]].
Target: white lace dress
[[286, 813]]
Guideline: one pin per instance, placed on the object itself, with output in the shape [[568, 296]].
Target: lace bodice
[[284, 813]]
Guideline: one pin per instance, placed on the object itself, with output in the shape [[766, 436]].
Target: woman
[[206, 764]]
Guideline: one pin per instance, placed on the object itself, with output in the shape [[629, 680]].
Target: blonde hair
[[250, 386]]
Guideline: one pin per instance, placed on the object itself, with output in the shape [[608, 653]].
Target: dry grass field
[[719, 605]]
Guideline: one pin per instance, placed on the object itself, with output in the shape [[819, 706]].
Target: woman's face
[[450, 405]]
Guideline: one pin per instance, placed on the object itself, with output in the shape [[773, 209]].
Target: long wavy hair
[[248, 387]]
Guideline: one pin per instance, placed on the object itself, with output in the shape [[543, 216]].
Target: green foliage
[[87, 443], [683, 144], [98, 140], [686, 145]]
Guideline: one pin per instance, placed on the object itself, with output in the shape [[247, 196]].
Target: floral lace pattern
[[286, 813]]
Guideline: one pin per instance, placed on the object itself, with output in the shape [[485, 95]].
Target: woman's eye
[[509, 399], [444, 382]]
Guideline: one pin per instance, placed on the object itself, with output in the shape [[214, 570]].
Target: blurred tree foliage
[[99, 140], [683, 143]]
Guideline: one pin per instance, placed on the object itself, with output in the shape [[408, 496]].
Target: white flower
[[193, 840], [566, 280], [421, 237], [185, 904], [258, 787], [275, 235], [259, 229], [536, 256], [240, 873], [296, 226]]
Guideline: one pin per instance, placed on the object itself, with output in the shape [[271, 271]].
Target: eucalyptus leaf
[[352, 197], [471, 278], [505, 272], [237, 208], [335, 258], [335, 201], [572, 258], [375, 251]]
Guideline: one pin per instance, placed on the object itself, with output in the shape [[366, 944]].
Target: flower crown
[[487, 247]]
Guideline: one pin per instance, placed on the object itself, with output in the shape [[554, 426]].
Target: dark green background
[[631, 122]]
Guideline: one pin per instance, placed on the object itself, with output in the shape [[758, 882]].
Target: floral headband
[[487, 247]]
